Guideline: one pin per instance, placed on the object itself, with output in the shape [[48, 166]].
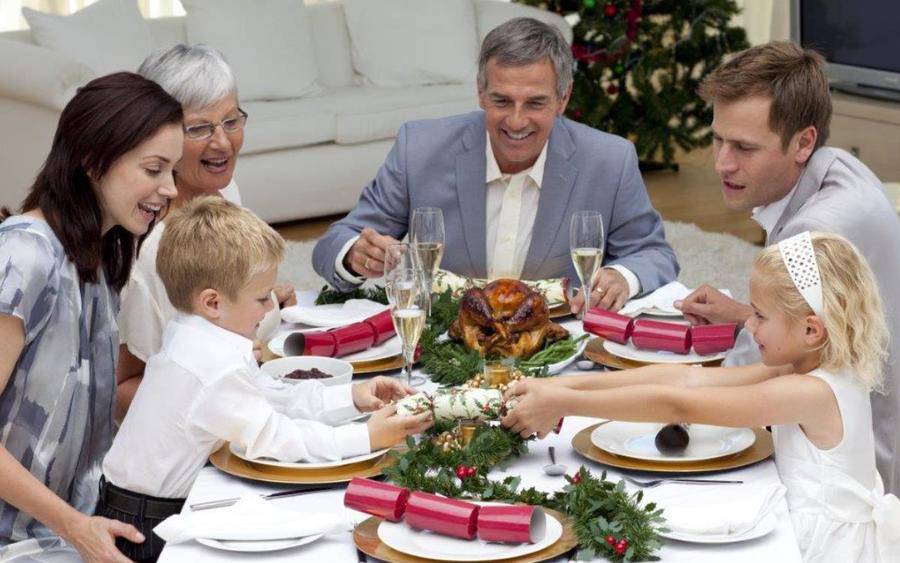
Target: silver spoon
[[554, 469]]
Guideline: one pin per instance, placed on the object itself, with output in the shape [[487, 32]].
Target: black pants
[[141, 511]]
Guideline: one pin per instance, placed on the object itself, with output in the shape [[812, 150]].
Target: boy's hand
[[386, 429], [375, 393]]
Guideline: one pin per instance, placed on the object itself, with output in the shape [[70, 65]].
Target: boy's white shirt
[[204, 388]]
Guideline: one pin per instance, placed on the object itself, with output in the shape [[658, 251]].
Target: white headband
[[800, 259]]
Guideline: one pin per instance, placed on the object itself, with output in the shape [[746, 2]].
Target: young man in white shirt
[[219, 263]]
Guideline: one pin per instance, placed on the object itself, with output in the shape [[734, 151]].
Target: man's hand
[[377, 392], [366, 256], [386, 429], [95, 538], [285, 295], [708, 305], [610, 292], [537, 408]]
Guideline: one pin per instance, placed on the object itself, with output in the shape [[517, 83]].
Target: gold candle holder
[[466, 431], [497, 373]]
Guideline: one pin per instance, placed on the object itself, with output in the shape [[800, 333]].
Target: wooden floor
[[691, 195]]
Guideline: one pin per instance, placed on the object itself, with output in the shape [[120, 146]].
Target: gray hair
[[195, 75], [525, 41]]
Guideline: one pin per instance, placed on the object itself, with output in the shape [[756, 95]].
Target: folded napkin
[[661, 300], [250, 518], [351, 311], [710, 510]]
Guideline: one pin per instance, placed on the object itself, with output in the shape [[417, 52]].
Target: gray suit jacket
[[839, 194], [441, 163]]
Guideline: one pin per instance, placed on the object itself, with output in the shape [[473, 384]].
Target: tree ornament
[[618, 69], [612, 89], [610, 10], [590, 4]]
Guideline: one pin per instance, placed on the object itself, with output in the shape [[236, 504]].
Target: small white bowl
[[341, 371]]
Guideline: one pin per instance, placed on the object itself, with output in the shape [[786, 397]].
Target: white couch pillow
[[411, 42], [108, 36], [268, 44]]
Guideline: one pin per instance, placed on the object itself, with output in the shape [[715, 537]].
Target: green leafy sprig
[[328, 295]]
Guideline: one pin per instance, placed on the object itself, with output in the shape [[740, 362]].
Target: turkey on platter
[[505, 318]]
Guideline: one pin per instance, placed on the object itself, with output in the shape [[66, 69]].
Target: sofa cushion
[[268, 44], [282, 124], [413, 42], [331, 41], [108, 36]]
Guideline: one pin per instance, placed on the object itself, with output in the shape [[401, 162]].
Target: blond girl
[[818, 321]]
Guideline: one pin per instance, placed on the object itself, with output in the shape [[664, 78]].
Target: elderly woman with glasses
[[200, 79]]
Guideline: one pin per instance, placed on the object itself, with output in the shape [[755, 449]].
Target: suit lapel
[[471, 191], [810, 183], [556, 189]]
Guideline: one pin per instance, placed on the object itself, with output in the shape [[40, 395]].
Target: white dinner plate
[[388, 349], [428, 545], [637, 440], [654, 312], [241, 452], [766, 526], [563, 364], [258, 546], [333, 315], [629, 352]]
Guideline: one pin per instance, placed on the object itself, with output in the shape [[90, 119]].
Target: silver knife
[[283, 494]]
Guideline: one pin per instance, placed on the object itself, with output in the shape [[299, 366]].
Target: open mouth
[[516, 137], [731, 186], [149, 211], [215, 165]]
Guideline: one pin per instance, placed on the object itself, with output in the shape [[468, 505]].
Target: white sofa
[[302, 157]]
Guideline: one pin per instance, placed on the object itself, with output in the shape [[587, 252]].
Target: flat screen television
[[860, 39]]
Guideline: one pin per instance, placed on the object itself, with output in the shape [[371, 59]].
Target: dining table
[[212, 484]]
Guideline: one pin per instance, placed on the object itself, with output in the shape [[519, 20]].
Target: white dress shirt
[[767, 216], [511, 207], [203, 389]]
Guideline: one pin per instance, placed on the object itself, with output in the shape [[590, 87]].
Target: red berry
[[611, 540], [610, 10], [620, 549], [612, 90], [624, 541], [461, 471], [471, 471], [576, 478]]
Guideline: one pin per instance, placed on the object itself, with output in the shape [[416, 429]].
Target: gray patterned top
[[56, 411]]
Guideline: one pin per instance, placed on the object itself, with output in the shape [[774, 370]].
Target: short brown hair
[[794, 79], [212, 243]]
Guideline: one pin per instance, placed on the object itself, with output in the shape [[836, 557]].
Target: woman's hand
[[285, 295], [386, 429], [95, 538], [377, 392], [536, 407]]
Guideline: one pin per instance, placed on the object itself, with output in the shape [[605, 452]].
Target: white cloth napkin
[[715, 510], [661, 300], [352, 311], [250, 518]]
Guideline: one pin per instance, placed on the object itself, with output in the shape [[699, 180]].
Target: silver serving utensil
[[554, 469], [650, 483], [283, 494]]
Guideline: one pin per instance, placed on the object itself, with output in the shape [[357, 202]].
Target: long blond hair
[[857, 335]]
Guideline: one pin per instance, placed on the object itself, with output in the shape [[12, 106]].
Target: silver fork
[[650, 483]]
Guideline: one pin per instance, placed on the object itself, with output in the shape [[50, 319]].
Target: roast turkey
[[506, 319]]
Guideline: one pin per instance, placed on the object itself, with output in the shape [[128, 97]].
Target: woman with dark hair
[[62, 263]]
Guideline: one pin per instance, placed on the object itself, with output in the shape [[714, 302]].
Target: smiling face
[[243, 314], [520, 105], [754, 168], [140, 182], [782, 339], [208, 164]]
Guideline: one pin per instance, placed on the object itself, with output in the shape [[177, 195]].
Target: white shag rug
[[721, 260]]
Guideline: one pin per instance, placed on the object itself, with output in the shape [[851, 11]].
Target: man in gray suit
[[508, 180], [772, 109]]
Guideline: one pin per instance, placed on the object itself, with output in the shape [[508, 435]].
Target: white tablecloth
[[212, 484]]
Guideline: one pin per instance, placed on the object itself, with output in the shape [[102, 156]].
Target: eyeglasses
[[204, 131]]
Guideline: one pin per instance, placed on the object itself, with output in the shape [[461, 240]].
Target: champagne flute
[[396, 256], [586, 245], [426, 233], [409, 296]]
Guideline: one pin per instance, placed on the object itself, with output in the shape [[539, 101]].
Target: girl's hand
[[95, 538], [536, 408], [377, 392], [386, 429]]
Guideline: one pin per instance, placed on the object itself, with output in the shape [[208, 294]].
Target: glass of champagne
[[586, 245], [409, 297], [396, 256], [426, 234]]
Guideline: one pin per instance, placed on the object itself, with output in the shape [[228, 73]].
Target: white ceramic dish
[[421, 543], [388, 349], [766, 526], [341, 371], [636, 440], [629, 352], [241, 453], [257, 546]]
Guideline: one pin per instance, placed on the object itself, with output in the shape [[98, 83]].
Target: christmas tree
[[638, 66]]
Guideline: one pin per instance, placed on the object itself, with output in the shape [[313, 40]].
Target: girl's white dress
[[836, 497]]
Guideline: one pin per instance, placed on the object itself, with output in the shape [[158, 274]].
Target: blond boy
[[219, 263]]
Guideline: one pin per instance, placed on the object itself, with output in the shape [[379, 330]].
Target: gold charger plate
[[359, 368], [597, 353], [762, 448], [226, 461], [365, 536]]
